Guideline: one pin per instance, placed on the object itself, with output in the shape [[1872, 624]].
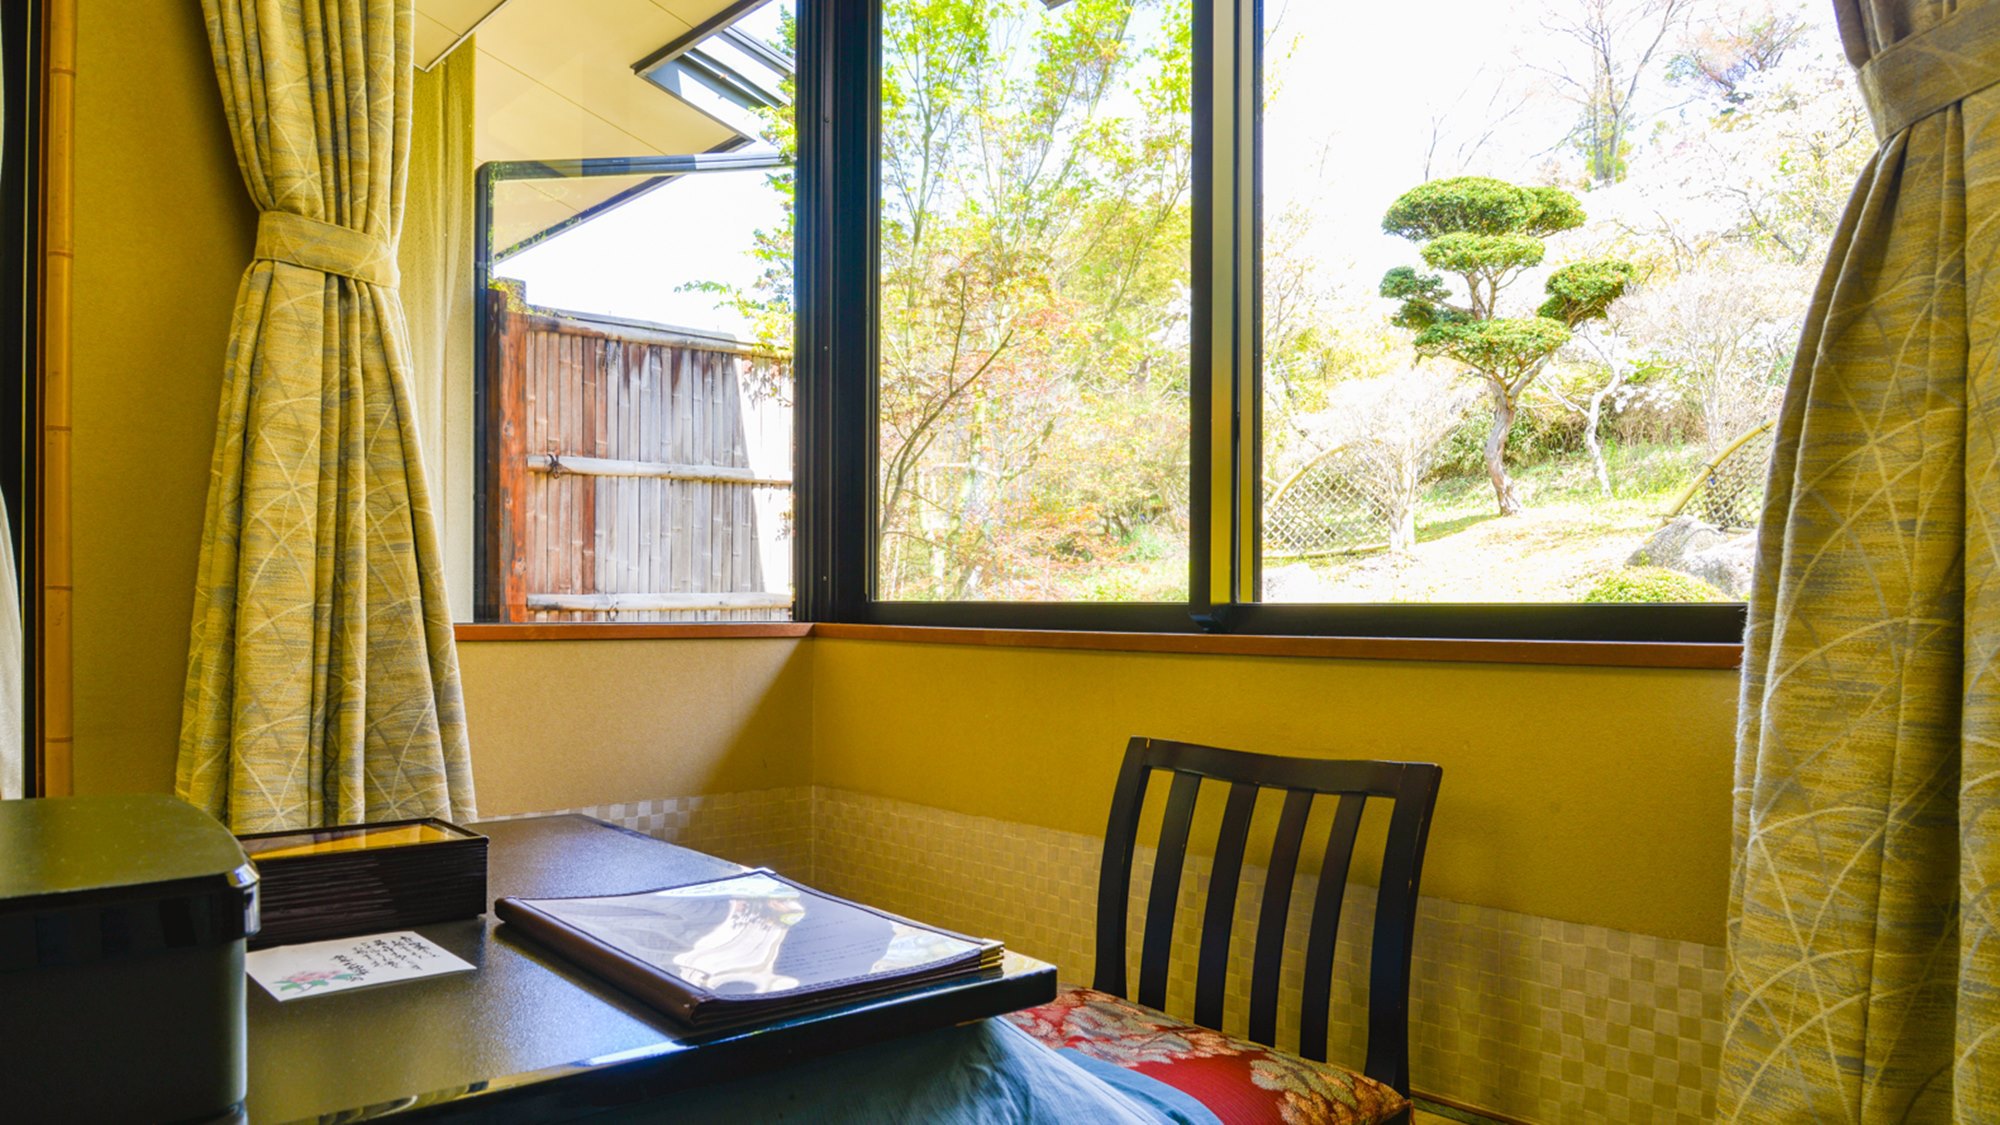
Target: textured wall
[[565, 724], [1534, 1018], [1594, 795], [163, 231], [1537, 1019]]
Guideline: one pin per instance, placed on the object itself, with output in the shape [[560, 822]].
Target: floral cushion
[[1240, 1082]]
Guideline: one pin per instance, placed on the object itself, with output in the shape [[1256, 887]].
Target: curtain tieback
[[1934, 69], [327, 247]]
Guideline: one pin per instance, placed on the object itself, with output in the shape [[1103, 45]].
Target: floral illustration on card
[[305, 980]]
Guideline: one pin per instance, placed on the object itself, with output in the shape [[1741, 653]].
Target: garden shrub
[[1651, 584]]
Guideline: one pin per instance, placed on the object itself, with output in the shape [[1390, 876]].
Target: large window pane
[[1034, 304], [1531, 287], [636, 369]]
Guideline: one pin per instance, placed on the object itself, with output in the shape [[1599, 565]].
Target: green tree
[[1032, 394], [1486, 233], [1036, 171]]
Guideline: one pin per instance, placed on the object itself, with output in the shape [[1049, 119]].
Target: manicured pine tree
[[1486, 233]]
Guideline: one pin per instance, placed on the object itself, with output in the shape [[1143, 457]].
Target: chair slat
[[1212, 966], [1395, 927], [1114, 877], [1325, 926], [1164, 898], [1275, 911]]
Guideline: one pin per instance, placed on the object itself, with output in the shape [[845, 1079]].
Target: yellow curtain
[[436, 256], [322, 680], [1863, 963]]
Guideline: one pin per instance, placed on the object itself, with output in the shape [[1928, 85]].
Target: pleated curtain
[[435, 254], [1862, 941], [13, 651], [322, 681]]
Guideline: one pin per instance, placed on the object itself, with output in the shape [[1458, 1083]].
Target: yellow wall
[[1596, 795], [163, 231], [559, 724]]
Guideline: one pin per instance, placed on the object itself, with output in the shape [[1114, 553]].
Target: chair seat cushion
[[1237, 1079], [1241, 1082]]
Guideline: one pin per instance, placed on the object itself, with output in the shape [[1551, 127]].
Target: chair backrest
[[1412, 786]]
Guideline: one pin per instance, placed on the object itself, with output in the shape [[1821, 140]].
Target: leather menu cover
[[748, 948]]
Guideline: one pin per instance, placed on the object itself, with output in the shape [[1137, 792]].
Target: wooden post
[[505, 420]]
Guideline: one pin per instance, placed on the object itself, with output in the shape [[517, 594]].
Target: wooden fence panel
[[618, 485]]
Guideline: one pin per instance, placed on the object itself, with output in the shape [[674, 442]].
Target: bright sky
[[1346, 129], [701, 227], [1345, 140]]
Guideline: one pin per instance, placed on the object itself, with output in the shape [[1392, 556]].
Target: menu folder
[[746, 949]]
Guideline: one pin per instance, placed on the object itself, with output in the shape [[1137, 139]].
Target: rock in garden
[[1727, 566], [1680, 538]]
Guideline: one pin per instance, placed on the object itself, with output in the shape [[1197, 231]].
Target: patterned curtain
[[1864, 969], [322, 681]]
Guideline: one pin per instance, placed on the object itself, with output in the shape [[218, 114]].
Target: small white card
[[319, 967]]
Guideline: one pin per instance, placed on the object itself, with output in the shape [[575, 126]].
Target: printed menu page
[[755, 935], [317, 968]]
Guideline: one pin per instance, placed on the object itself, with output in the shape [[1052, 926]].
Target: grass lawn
[[1568, 537]]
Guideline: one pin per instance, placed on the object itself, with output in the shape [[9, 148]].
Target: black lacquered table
[[528, 1037]]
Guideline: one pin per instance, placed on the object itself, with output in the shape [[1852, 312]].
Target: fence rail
[[556, 465], [654, 603]]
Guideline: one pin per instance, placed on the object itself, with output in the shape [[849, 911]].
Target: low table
[[529, 1037]]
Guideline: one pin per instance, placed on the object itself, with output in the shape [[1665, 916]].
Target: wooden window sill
[[1604, 654], [631, 631], [1611, 654]]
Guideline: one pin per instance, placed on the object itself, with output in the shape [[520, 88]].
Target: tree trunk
[[1403, 530], [1591, 443], [1496, 455]]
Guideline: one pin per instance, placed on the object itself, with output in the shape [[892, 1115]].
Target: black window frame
[[731, 156]]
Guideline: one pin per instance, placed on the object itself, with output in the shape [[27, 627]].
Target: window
[[635, 379], [1032, 348], [1139, 314], [1480, 339], [1531, 348]]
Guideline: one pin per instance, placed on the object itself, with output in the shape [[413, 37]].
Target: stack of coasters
[[365, 878]]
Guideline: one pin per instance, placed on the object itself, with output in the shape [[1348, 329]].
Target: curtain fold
[[13, 650], [13, 683], [436, 256], [1862, 960], [322, 680]]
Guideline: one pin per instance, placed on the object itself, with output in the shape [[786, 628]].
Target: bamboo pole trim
[[656, 603], [556, 464], [1686, 494]]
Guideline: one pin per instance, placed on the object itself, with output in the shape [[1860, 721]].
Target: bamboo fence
[[618, 484]]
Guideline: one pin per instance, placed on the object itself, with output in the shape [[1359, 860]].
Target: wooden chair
[[1412, 787]]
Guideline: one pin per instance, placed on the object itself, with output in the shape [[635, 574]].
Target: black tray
[[319, 883]]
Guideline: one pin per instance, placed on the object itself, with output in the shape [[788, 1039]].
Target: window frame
[[835, 358], [837, 179], [489, 600], [840, 59]]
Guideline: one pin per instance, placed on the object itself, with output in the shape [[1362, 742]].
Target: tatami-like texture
[[1532, 1018]]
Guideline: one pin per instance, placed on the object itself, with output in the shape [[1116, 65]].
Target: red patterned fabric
[[1240, 1082]]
